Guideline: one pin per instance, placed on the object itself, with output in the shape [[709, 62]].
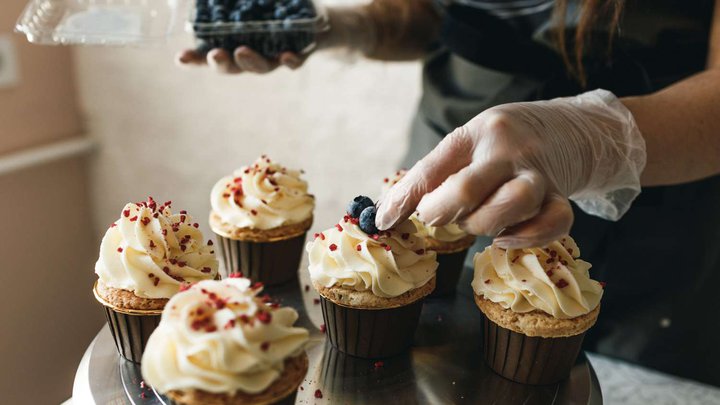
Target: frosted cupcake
[[145, 256], [219, 343], [538, 303], [449, 242], [371, 283], [261, 215]]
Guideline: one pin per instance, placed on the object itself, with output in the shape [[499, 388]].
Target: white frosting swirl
[[444, 233], [388, 264], [151, 251], [219, 337], [552, 279], [262, 196]]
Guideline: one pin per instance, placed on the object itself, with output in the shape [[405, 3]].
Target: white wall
[[172, 132]]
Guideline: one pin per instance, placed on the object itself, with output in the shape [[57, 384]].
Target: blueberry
[[358, 204], [367, 220]]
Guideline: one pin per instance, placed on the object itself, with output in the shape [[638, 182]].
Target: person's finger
[[552, 222], [219, 60], [450, 155], [190, 57], [291, 60], [461, 193], [514, 202], [252, 61]]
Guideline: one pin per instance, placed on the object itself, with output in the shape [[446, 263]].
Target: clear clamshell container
[[267, 26]]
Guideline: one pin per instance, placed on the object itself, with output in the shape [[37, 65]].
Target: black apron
[[661, 261]]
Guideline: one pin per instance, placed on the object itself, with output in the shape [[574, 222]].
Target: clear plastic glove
[[349, 29], [510, 170]]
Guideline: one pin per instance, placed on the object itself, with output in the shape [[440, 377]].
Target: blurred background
[[84, 130]]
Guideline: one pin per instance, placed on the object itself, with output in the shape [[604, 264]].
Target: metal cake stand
[[445, 366]]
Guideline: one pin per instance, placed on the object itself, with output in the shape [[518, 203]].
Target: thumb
[[449, 156]]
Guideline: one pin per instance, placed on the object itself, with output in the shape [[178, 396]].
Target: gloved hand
[[350, 28], [513, 167]]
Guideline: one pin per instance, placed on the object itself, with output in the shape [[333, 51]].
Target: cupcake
[[371, 283], [538, 303], [260, 215], [145, 256], [220, 343], [449, 242]]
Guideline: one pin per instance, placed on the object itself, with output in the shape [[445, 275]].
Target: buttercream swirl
[[388, 264], [444, 233], [551, 279], [220, 337], [264, 195], [151, 251]]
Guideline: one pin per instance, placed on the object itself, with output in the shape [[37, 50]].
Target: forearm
[[681, 127], [391, 30]]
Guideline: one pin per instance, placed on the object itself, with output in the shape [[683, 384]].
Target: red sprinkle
[[142, 395], [339, 228], [316, 301], [126, 213], [549, 273], [235, 275], [119, 250], [185, 286], [264, 317], [603, 284], [152, 244], [264, 346], [333, 247], [230, 324], [561, 283], [323, 328], [379, 364], [388, 248], [420, 251], [488, 281], [358, 248], [307, 288], [196, 225], [322, 236], [253, 212], [133, 219], [257, 285], [210, 243], [145, 220], [206, 270], [318, 394], [386, 180]]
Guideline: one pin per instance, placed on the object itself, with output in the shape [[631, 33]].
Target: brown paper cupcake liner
[[370, 333], [529, 360], [450, 267], [130, 328], [271, 263]]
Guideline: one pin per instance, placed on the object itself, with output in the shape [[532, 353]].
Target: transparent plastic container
[[102, 22], [143, 22], [279, 26]]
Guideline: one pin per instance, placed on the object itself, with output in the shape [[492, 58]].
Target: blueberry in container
[[269, 27]]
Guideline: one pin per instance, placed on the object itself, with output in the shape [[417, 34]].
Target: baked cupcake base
[[269, 256], [363, 325], [451, 261], [282, 391], [533, 348], [130, 327]]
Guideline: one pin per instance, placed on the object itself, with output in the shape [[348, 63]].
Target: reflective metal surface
[[444, 367]]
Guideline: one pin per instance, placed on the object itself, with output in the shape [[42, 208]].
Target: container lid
[[102, 22]]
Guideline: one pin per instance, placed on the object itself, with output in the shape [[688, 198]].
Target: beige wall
[[47, 313], [171, 132], [43, 107]]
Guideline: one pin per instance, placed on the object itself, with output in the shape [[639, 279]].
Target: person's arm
[[391, 30], [681, 123], [510, 171]]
